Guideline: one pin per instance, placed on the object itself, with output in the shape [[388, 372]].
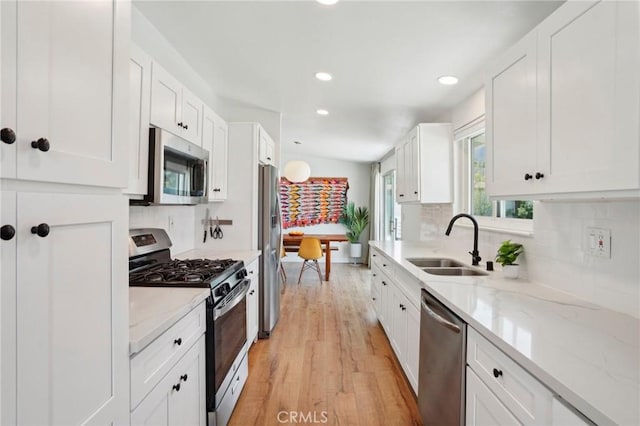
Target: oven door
[[226, 337]]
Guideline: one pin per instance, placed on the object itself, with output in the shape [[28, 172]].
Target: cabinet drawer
[[253, 269], [519, 391], [151, 364], [382, 263]]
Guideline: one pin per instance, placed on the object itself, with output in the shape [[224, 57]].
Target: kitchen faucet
[[475, 256]]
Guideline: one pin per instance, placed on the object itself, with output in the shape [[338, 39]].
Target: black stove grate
[[185, 273]]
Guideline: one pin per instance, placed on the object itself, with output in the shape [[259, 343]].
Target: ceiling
[[385, 57]]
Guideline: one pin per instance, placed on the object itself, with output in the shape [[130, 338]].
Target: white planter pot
[[355, 250], [511, 271]]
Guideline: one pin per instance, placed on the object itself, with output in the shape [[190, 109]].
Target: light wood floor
[[327, 359]]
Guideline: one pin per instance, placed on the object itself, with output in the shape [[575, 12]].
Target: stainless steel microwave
[[178, 170]]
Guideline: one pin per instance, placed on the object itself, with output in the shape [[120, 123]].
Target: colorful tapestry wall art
[[317, 200]]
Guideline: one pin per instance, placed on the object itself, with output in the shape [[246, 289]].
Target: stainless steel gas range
[[150, 265]]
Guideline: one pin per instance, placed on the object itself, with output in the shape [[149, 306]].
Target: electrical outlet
[[599, 242], [171, 223]]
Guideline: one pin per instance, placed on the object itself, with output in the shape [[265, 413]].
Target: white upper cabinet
[[139, 101], [266, 148], [511, 120], [563, 107], [68, 105], [214, 140], [589, 96], [174, 108], [423, 164]]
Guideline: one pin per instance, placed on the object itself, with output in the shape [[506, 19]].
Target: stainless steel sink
[[453, 271], [434, 262]]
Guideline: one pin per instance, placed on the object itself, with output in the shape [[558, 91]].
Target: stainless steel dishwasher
[[441, 382]]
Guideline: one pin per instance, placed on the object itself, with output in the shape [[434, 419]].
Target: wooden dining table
[[290, 241]]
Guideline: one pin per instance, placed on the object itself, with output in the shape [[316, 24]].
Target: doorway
[[391, 222]]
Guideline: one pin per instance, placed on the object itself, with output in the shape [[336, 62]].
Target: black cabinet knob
[[184, 377], [373, 298], [42, 230], [251, 292], [7, 232], [401, 195], [415, 192], [539, 175], [497, 373], [176, 387], [42, 144], [178, 341], [384, 264], [216, 189], [383, 283], [374, 255], [374, 275], [180, 124], [527, 176], [186, 126], [7, 135]]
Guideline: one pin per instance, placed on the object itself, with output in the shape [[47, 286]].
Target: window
[[471, 195]]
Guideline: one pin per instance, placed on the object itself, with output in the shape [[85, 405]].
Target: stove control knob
[[241, 274]]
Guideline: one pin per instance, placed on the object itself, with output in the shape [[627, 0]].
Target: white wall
[[555, 255], [358, 175]]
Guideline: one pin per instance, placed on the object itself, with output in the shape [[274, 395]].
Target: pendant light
[[297, 171]]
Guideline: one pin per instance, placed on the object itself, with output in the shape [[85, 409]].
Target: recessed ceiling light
[[447, 80], [327, 2], [324, 76], [322, 112]]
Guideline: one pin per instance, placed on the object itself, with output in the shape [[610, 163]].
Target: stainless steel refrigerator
[[269, 241]]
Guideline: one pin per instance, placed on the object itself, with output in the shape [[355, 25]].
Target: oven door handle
[[232, 304]]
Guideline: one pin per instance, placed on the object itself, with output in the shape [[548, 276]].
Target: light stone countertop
[[586, 354], [153, 310]]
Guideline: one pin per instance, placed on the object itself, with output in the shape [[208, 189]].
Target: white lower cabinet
[[49, 374], [399, 316], [252, 302], [522, 394], [483, 407], [179, 398]]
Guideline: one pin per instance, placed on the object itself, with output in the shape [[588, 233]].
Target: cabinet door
[[588, 62], [192, 112], [412, 167], [166, 100], [8, 312], [139, 105], [412, 362], [511, 121], [398, 335], [214, 140], [187, 403], [72, 73], [400, 174], [72, 321], [375, 290], [252, 309], [483, 407], [265, 147], [385, 304], [8, 78]]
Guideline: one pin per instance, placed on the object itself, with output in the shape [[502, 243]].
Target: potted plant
[[356, 220], [507, 255]]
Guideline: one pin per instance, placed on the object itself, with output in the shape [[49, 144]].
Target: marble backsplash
[[555, 255]]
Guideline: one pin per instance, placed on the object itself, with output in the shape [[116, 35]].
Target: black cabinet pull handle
[[7, 232], [497, 373], [539, 175], [527, 176], [7, 135], [216, 189], [176, 387], [178, 341], [42, 144], [42, 230], [402, 195], [184, 377]]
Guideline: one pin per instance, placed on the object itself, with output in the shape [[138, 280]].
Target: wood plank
[[328, 356]]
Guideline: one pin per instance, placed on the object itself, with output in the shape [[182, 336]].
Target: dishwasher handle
[[451, 326]]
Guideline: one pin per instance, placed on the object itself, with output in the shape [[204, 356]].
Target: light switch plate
[[598, 241]]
